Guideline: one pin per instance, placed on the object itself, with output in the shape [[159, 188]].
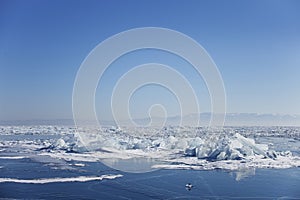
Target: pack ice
[[228, 148], [173, 147], [207, 145]]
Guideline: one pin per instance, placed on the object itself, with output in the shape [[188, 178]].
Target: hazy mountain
[[234, 119], [231, 119]]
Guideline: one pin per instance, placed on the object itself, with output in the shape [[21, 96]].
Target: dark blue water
[[162, 184]]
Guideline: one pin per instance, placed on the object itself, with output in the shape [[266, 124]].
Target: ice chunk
[[247, 142], [228, 148], [191, 151], [271, 154], [286, 153], [60, 143]]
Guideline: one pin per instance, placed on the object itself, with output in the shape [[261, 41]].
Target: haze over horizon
[[231, 119]]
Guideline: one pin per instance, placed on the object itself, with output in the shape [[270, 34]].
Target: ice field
[[46, 162], [230, 148]]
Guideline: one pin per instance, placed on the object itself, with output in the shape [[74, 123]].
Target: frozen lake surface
[[161, 184], [46, 162]]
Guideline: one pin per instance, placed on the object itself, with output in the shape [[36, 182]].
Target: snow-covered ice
[[230, 148], [60, 180]]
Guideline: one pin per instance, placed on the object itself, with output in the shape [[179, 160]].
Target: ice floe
[[12, 157], [172, 147], [60, 180]]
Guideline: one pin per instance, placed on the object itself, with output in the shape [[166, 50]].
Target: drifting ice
[[192, 147], [208, 146], [228, 148]]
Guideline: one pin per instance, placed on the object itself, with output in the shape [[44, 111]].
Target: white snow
[[12, 157], [60, 180], [79, 164], [192, 147], [252, 162]]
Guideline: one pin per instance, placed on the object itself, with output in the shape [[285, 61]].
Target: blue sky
[[255, 44]]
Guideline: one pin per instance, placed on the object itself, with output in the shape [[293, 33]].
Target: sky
[[255, 45]]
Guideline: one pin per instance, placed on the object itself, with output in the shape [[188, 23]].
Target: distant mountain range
[[231, 119], [252, 119]]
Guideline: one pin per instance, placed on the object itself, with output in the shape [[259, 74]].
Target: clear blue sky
[[255, 44]]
